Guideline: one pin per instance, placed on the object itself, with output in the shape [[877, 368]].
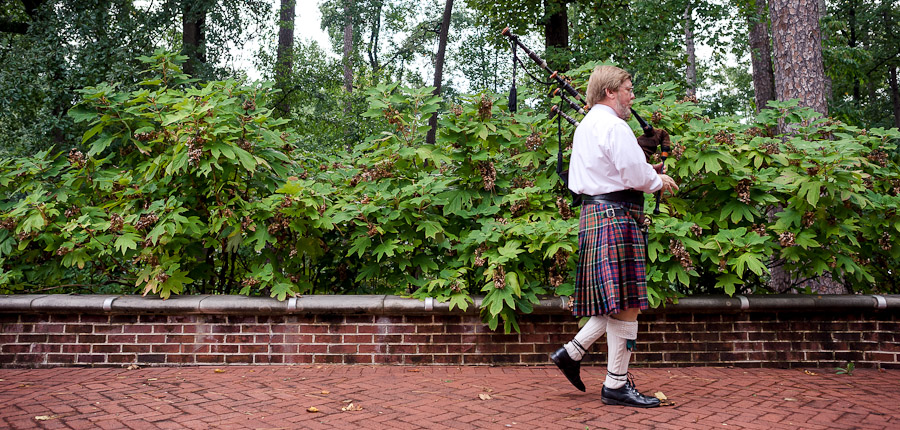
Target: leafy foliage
[[197, 188]]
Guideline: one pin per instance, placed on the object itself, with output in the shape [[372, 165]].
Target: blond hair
[[604, 78]]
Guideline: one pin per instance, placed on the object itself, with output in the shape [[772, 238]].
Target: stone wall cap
[[385, 304]]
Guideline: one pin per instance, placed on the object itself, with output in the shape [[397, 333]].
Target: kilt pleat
[[611, 275]]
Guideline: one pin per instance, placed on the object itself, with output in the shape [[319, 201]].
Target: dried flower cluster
[[809, 218], [499, 278], [146, 221], [484, 107], [885, 241], [689, 98], [520, 182], [878, 157], [676, 248], [249, 105], [76, 158], [656, 117], [564, 210], [280, 224], [759, 229], [194, 154], [380, 171], [72, 211], [812, 170], [770, 148], [743, 190], [696, 230], [488, 174], [145, 137], [8, 224], [479, 258], [677, 151], [559, 269], [533, 142], [116, 222], [518, 207], [456, 109], [786, 239], [63, 250], [724, 137]]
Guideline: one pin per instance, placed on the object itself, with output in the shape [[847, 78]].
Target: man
[[609, 169]]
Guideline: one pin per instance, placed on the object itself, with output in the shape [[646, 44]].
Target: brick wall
[[670, 338]]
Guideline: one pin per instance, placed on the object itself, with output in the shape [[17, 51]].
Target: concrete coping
[[393, 305]]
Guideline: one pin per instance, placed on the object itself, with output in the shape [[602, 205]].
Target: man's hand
[[650, 144], [669, 184]]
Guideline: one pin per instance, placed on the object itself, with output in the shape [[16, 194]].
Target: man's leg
[[620, 337], [568, 358]]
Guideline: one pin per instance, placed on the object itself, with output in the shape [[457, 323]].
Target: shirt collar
[[606, 109]]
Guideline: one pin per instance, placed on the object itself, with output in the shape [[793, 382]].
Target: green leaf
[[432, 228], [125, 242], [461, 301], [751, 261]]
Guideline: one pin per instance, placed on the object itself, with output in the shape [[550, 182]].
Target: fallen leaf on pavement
[[663, 400], [133, 367], [351, 407], [46, 417], [809, 372], [790, 399], [312, 409], [325, 392], [218, 371], [413, 370], [484, 396]]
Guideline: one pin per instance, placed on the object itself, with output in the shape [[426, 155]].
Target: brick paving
[[399, 397]]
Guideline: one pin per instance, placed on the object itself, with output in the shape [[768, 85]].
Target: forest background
[[395, 165]]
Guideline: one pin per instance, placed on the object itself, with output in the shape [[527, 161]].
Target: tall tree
[[348, 46], [439, 68], [285, 56], [193, 35], [691, 68], [761, 53], [797, 53]]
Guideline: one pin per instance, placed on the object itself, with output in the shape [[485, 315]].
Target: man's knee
[[626, 315]]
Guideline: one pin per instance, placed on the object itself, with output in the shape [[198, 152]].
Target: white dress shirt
[[606, 157]]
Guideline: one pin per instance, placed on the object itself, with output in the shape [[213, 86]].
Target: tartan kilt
[[611, 275]]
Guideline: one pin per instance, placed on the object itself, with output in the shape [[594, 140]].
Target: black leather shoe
[[627, 395], [569, 367]]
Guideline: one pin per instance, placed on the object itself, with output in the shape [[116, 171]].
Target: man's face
[[622, 99]]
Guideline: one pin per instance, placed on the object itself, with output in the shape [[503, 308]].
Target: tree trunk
[[892, 79], [373, 37], [797, 54], [761, 56], [193, 36], [690, 74], [431, 138], [799, 74], [895, 97], [823, 9], [348, 47], [851, 23], [284, 64], [556, 33]]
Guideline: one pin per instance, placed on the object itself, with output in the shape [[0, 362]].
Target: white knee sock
[[592, 330], [618, 334]]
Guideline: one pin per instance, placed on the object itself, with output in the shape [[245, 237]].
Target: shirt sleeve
[[629, 160]]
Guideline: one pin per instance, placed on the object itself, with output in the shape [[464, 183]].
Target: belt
[[624, 196]]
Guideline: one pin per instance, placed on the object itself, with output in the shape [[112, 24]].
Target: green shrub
[[197, 189]]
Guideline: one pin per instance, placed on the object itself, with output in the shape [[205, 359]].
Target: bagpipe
[[567, 92]]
